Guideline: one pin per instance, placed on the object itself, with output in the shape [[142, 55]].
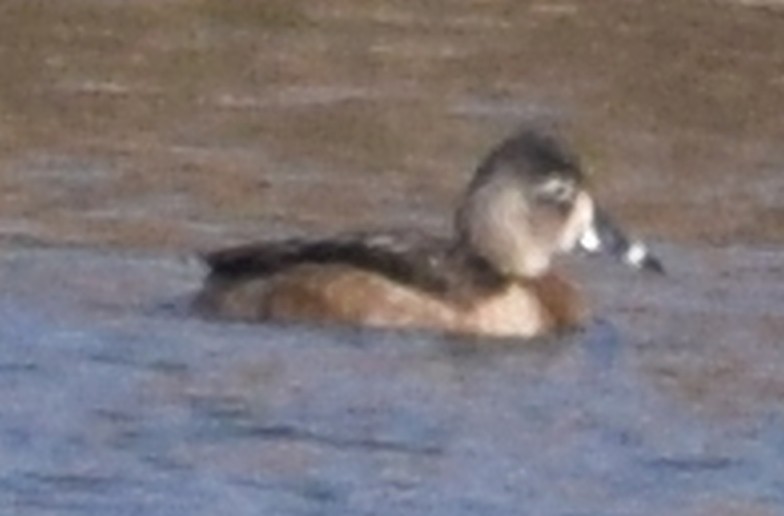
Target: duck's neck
[[476, 272], [492, 223]]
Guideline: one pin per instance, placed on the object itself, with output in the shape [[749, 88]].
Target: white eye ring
[[556, 189]]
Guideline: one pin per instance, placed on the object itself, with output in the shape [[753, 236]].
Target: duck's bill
[[606, 237]]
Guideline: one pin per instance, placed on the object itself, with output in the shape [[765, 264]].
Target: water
[[116, 401], [134, 135]]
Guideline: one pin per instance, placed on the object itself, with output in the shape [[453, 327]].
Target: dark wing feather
[[410, 258]]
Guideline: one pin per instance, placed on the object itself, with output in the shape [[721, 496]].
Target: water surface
[[135, 134]]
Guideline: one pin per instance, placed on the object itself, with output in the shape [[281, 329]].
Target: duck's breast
[[514, 312]]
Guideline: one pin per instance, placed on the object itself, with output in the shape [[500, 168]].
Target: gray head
[[528, 202]]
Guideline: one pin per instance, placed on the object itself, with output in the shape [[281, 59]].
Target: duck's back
[[354, 277], [411, 258]]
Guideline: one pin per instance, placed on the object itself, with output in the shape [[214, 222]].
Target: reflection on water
[[133, 133]]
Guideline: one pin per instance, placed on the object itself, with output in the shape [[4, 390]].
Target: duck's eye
[[556, 190]]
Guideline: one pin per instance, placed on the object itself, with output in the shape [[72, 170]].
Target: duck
[[527, 203]]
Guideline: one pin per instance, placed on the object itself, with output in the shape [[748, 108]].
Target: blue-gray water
[[135, 134], [114, 401]]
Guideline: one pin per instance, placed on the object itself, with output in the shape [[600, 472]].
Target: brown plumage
[[526, 203]]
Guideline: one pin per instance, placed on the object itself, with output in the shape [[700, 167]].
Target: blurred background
[[185, 123], [137, 133]]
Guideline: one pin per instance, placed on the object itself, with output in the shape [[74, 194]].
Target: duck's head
[[528, 201]]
